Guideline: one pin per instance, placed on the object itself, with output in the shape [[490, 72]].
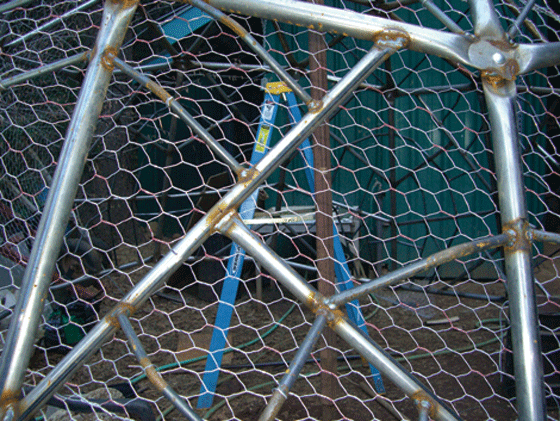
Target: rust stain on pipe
[[121, 308], [124, 3], [152, 374], [10, 399], [421, 396], [107, 59], [317, 304], [393, 38], [158, 90], [522, 238]]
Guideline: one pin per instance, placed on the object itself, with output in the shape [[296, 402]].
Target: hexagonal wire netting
[[402, 168]]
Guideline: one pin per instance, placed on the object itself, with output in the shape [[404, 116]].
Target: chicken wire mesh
[[410, 171]]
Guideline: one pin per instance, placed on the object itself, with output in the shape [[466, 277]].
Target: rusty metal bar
[[48, 240], [234, 228], [151, 373], [545, 236], [414, 268]]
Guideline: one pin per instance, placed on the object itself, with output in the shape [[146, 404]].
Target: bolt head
[[498, 58]]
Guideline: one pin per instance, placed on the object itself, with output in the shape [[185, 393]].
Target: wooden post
[[324, 221]]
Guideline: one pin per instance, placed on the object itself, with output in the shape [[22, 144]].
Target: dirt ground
[[454, 345]]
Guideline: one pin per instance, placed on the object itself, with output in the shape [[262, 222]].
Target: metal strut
[[275, 92]]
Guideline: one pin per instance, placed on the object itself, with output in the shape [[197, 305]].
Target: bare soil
[[451, 344]]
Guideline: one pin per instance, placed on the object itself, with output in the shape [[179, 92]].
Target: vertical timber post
[[323, 219]]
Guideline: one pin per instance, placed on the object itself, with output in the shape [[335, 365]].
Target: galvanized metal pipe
[[48, 68], [204, 65], [108, 325], [256, 47], [180, 403], [39, 395], [528, 369], [392, 369], [535, 32], [349, 23], [51, 23], [485, 19], [242, 235], [414, 268], [13, 4], [424, 411], [515, 26], [174, 105], [281, 393], [545, 236], [442, 17], [535, 56], [201, 231], [330, 102], [48, 240], [151, 372]]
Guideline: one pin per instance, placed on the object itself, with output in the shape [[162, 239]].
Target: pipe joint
[[320, 306], [315, 105], [10, 414], [519, 231], [108, 58], [226, 222], [425, 404], [121, 309]]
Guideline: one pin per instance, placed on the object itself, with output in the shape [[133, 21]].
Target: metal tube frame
[[281, 393], [257, 48], [499, 64], [155, 378], [47, 68], [51, 23], [250, 180], [528, 370], [187, 118], [48, 240], [6, 7], [374, 354]]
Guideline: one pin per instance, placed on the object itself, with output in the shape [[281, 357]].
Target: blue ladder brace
[[273, 93]]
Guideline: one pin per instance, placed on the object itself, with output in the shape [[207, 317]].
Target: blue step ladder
[[274, 92]]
